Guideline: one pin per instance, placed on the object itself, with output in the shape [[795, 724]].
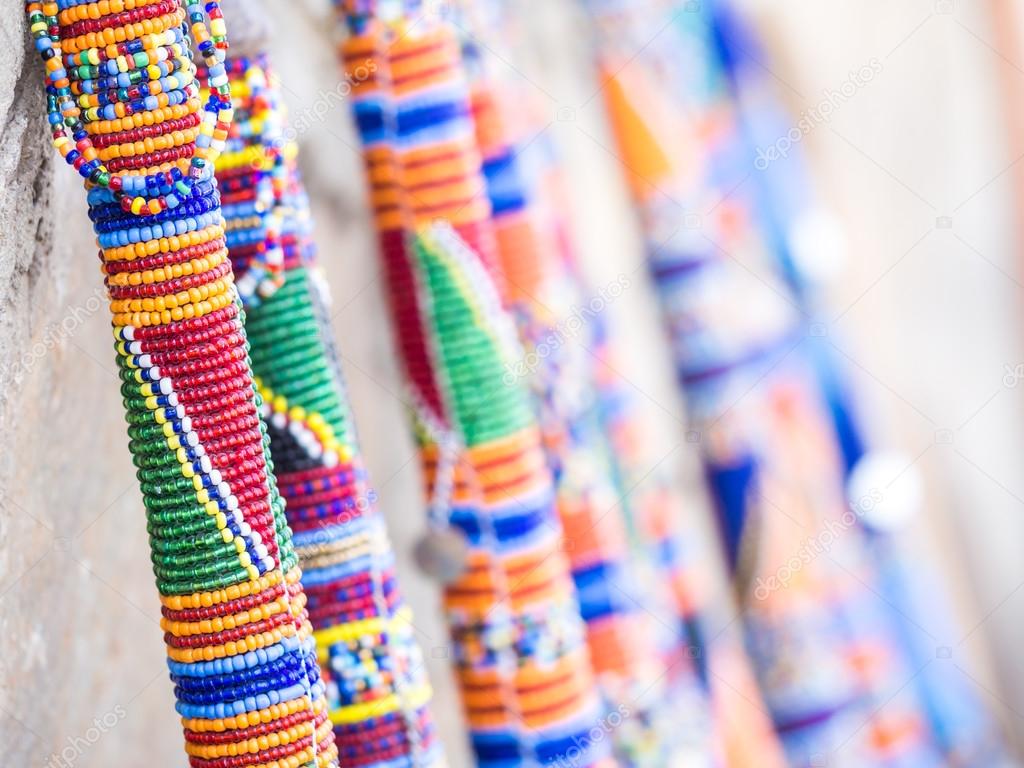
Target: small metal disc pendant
[[442, 554]]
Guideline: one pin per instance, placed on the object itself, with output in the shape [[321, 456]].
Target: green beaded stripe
[[290, 353], [484, 405]]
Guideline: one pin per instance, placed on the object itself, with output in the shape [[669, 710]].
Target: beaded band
[[519, 654], [237, 630], [822, 646], [375, 678]]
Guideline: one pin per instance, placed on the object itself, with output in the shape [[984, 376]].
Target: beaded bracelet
[[122, 89]]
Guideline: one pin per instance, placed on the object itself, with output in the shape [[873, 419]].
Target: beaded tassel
[[669, 719], [376, 685], [125, 112], [823, 650]]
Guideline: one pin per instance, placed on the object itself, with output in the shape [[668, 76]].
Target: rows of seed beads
[[122, 82], [376, 685], [962, 722], [712, 699], [624, 636], [440, 169], [722, 708], [365, 57], [518, 635], [673, 548], [511, 718], [822, 648]]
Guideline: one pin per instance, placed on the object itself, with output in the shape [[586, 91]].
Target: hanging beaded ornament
[[668, 715], [808, 245], [515, 626], [125, 111], [823, 651], [376, 685]]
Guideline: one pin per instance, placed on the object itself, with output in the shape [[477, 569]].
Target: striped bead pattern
[[669, 716], [520, 650], [374, 672], [822, 646], [239, 647]]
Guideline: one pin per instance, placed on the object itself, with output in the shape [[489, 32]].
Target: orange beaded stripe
[[115, 35], [441, 170]]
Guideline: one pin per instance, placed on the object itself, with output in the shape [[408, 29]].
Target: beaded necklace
[[125, 112], [376, 686]]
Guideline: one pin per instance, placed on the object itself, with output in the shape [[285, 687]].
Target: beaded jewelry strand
[[668, 724], [517, 652], [374, 671], [125, 112], [822, 648]]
